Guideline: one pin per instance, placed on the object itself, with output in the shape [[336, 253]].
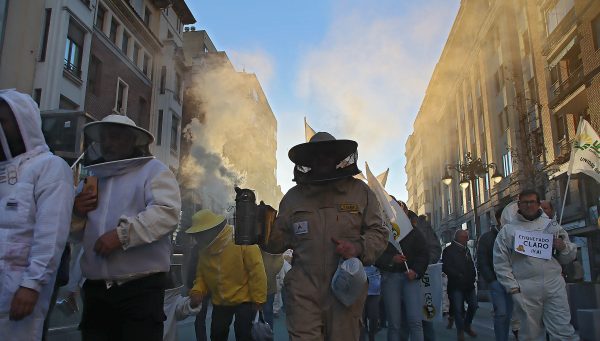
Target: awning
[[562, 53]]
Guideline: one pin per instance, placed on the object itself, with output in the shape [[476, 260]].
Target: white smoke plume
[[208, 173], [256, 61], [227, 135]]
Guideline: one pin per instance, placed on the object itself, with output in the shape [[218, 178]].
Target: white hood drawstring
[[4, 144]]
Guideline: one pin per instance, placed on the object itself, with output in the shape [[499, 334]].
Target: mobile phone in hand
[[90, 185]]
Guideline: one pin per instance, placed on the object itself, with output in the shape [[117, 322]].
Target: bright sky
[[356, 69]]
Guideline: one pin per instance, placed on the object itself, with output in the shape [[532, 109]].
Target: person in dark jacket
[[401, 270], [433, 242], [501, 300], [460, 269]]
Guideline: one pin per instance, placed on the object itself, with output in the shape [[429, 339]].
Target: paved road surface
[[483, 325]]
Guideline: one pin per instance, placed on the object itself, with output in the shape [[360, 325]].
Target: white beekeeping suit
[[542, 300], [36, 201], [177, 308]]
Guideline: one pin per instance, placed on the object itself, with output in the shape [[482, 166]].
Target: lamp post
[[471, 170]]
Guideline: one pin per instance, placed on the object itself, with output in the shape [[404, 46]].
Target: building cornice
[[184, 12], [180, 7], [133, 21]]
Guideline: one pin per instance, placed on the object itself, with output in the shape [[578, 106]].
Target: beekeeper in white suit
[[536, 284], [36, 201]]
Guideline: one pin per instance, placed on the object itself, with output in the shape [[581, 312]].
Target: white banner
[[394, 217], [431, 293], [585, 156], [534, 244]]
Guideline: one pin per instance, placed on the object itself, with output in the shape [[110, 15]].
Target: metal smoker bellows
[[252, 222]]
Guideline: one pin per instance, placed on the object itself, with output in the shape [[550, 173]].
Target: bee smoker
[[252, 222], [245, 217]]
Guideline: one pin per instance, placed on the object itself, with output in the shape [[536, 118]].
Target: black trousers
[[371, 317], [221, 319], [132, 311], [200, 322]]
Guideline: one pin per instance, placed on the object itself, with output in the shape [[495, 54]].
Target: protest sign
[[431, 293], [534, 244]]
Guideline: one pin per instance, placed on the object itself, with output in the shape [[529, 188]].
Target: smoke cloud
[[209, 173], [256, 61], [226, 148]]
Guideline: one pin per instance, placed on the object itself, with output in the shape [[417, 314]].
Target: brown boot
[[460, 335], [470, 332], [450, 322]]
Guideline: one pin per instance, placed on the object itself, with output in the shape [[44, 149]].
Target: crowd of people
[[122, 215]]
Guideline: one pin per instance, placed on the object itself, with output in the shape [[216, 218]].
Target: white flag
[[308, 131], [394, 217], [381, 177], [585, 155], [431, 293]]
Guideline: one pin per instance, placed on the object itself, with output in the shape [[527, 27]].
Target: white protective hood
[[28, 118], [511, 216]]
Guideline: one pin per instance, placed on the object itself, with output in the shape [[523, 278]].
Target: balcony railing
[[564, 150], [72, 68], [555, 36], [560, 90]]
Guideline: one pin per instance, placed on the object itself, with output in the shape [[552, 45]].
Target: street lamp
[[464, 183], [471, 170]]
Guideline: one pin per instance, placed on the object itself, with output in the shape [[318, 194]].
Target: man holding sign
[[527, 256]]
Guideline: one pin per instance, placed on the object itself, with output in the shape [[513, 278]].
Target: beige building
[[512, 82], [45, 49], [84, 59], [237, 128], [98, 57]]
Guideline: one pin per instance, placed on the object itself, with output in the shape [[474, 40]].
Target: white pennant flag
[[382, 178], [394, 217], [309, 132], [585, 155]]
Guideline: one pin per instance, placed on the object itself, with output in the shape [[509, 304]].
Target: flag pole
[[562, 210], [402, 252], [571, 160]]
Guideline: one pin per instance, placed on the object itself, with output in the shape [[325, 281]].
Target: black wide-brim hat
[[321, 143]]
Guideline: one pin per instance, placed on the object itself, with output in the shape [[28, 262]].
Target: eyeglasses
[[528, 203]]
